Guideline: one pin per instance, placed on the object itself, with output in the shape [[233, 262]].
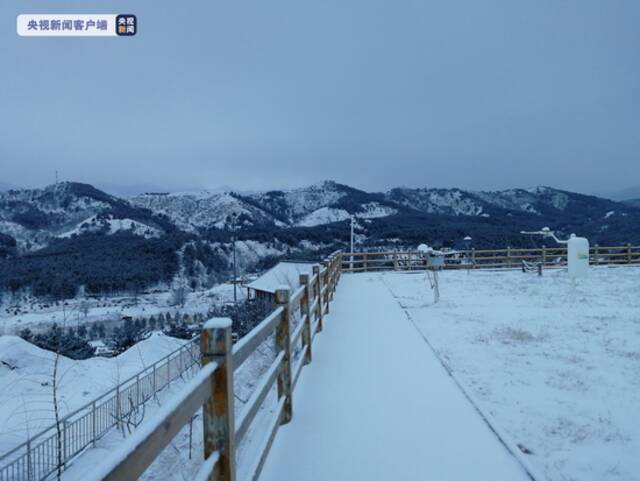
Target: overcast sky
[[283, 93]]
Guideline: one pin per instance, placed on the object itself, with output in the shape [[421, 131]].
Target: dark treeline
[[101, 263], [69, 342]]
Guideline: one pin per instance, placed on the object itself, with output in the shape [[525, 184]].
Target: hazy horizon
[[124, 190]]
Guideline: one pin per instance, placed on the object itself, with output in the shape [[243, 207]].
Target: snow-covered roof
[[284, 273]]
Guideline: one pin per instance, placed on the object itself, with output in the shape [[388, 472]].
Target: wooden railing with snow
[[486, 258], [212, 387]]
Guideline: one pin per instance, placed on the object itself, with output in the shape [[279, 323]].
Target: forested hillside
[[56, 239]]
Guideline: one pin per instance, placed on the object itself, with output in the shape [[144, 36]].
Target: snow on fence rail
[[212, 388], [39, 457], [487, 258]]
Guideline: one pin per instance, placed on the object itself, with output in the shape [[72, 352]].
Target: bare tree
[[179, 293], [56, 411]]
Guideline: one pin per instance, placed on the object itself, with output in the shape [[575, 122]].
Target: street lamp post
[[235, 269], [351, 263]]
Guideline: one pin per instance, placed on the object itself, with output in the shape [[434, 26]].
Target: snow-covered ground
[[26, 375], [39, 315], [557, 368], [376, 405]]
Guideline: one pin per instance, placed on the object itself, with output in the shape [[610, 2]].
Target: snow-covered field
[[39, 315], [558, 368], [26, 375]]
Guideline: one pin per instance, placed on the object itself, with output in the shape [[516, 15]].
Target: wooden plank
[[297, 294], [283, 343], [298, 332], [318, 289], [314, 330], [298, 367], [205, 473], [306, 320], [258, 396], [245, 346], [129, 461], [313, 308], [268, 442], [218, 411]]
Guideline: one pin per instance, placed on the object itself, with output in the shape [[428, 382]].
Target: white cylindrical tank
[[578, 256], [423, 248]]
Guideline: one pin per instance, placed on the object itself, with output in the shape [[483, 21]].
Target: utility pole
[[351, 263], [235, 271]]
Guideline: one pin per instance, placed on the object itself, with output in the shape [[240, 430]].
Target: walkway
[[375, 404]]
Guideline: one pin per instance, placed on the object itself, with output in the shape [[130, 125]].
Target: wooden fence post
[[316, 272], [306, 330], [473, 257], [334, 275], [628, 253], [219, 427], [508, 256], [596, 254], [327, 292], [366, 264], [283, 343], [544, 255]]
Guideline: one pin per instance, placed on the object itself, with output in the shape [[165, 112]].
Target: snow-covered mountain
[[33, 217], [481, 203], [317, 204], [55, 239], [205, 210]]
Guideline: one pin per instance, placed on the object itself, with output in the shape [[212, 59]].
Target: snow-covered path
[[376, 404]]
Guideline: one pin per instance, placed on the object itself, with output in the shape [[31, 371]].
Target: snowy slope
[[327, 215], [291, 205], [109, 225], [203, 210], [35, 216], [26, 381], [323, 215]]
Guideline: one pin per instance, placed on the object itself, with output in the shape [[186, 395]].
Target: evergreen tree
[[82, 331], [68, 344]]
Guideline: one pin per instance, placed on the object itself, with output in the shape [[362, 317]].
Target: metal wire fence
[[43, 454]]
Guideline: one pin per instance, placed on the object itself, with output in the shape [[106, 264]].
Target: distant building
[[284, 273], [101, 349]]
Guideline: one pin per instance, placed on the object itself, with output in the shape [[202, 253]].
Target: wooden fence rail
[[293, 324], [486, 258]]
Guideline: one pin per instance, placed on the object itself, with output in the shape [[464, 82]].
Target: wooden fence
[[212, 387], [487, 258]]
